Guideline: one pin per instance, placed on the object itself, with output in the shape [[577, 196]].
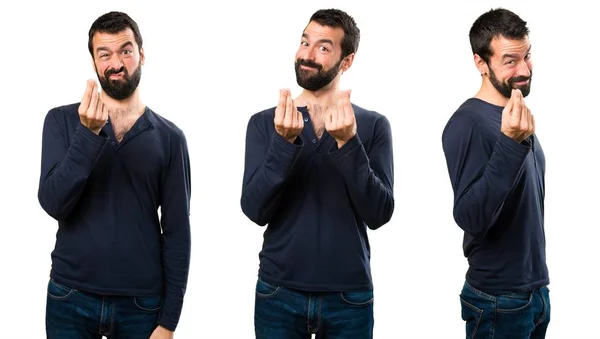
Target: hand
[[161, 333], [288, 121], [340, 122], [91, 109], [517, 120]]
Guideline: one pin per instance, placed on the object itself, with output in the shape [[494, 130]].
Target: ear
[[481, 65], [347, 62], [142, 56]]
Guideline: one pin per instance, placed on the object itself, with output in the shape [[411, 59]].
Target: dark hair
[[494, 23], [113, 23], [336, 18]]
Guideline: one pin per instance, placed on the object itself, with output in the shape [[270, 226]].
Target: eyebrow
[[327, 41], [513, 55], [125, 44]]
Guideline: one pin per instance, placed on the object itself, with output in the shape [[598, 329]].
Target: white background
[[209, 68]]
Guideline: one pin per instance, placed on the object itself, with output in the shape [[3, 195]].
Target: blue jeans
[[73, 314], [510, 316], [282, 313]]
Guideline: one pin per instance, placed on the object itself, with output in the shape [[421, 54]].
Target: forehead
[[316, 31], [110, 40], [501, 46]]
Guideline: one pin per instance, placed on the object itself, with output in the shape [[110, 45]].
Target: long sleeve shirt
[[318, 200], [105, 196], [498, 200]]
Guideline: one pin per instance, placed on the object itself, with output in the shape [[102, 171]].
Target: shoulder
[[168, 131], [63, 117], [262, 120], [370, 117], [63, 111], [364, 113], [476, 111], [160, 122], [472, 113], [264, 115]]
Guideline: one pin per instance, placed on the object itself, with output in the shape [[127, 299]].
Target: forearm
[[64, 174], [478, 205], [371, 195], [176, 263], [264, 181]]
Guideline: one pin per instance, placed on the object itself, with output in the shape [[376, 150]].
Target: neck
[[489, 94], [131, 105], [325, 97]]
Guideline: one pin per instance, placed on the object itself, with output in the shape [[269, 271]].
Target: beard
[[311, 81], [120, 89], [505, 88]]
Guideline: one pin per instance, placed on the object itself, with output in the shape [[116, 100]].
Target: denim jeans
[[73, 314], [282, 313], [509, 316]]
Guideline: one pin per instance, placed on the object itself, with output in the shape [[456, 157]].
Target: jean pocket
[[513, 302], [357, 298], [148, 303], [472, 315], [58, 291], [264, 289]]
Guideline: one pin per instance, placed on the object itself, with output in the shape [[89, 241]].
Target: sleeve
[[66, 166], [269, 160], [176, 235], [369, 177], [481, 180]]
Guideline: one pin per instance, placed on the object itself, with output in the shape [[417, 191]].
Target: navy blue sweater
[[105, 196], [318, 201], [498, 200]]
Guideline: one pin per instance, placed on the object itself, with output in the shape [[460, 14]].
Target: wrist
[[341, 142], [513, 137]]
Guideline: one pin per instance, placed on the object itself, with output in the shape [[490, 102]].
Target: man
[[108, 163], [318, 172], [496, 167]]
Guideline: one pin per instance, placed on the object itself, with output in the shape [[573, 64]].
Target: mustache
[[308, 63], [112, 71], [519, 79]]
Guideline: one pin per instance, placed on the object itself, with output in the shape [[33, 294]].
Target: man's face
[[510, 65], [319, 57], [118, 63]]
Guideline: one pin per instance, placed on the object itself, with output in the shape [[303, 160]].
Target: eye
[[324, 49], [127, 51], [528, 56], [304, 43]]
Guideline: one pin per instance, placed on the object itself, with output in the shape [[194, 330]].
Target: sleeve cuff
[[513, 147], [350, 145], [97, 139], [285, 145], [169, 326]]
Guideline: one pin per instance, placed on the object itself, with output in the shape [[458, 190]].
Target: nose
[[523, 69], [310, 53], [116, 62]]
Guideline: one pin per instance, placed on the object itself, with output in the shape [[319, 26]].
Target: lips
[[308, 67]]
